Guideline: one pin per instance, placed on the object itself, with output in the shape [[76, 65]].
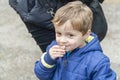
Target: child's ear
[[87, 34]]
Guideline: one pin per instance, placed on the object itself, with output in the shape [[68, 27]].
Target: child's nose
[[63, 40]]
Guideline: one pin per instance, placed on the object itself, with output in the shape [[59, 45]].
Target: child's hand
[[57, 51]]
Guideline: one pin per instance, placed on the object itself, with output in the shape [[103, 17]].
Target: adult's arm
[[37, 15]]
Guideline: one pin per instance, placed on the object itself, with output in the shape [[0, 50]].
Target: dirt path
[[18, 53]]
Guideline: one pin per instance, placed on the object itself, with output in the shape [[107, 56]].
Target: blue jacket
[[86, 63]]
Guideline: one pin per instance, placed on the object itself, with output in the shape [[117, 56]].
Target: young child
[[76, 53]]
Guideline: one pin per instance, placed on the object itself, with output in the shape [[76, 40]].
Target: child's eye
[[58, 33], [70, 35]]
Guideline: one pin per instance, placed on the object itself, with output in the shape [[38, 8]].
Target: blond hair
[[78, 13]]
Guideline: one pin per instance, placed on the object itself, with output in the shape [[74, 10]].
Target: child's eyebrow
[[69, 32]]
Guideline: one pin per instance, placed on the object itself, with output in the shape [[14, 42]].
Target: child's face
[[68, 37]]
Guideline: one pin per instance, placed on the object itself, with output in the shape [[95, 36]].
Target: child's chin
[[67, 50]]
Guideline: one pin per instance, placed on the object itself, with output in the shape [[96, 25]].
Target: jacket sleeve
[[13, 4], [20, 6], [36, 14], [103, 71], [45, 68]]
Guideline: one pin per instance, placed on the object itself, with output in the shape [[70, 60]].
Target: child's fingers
[[56, 51], [58, 54]]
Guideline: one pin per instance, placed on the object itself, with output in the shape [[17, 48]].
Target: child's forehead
[[66, 26], [66, 29]]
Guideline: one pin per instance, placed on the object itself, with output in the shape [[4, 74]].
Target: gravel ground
[[18, 51]]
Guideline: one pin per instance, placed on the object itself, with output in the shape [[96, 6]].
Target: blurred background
[[18, 50]]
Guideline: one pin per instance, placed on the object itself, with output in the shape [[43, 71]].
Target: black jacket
[[37, 20], [37, 17]]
